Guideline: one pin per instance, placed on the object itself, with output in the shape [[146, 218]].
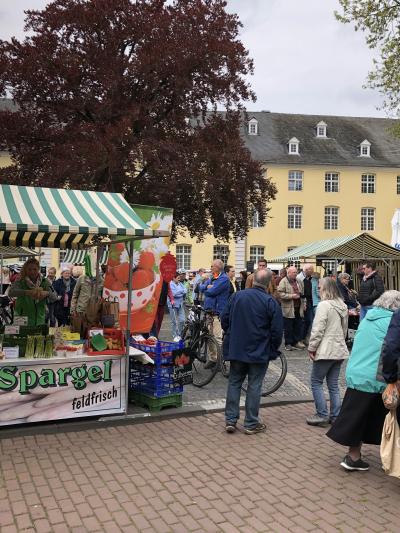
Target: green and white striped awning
[[77, 257], [358, 246], [63, 218]]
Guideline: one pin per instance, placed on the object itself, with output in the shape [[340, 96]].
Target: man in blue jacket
[[253, 327], [216, 290]]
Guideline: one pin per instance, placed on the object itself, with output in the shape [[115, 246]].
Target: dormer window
[[365, 148], [321, 129], [253, 127], [294, 146]]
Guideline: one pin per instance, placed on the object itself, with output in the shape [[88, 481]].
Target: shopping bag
[[391, 396], [390, 445], [77, 323], [93, 311], [114, 310]]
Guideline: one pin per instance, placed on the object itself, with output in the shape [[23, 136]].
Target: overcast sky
[[305, 60]]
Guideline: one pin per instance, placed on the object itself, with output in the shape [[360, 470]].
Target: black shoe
[[349, 464], [230, 428], [210, 364], [259, 428]]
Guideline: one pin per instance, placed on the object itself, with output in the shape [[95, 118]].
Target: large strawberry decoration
[[168, 267]]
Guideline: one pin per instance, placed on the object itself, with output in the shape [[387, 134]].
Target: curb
[[85, 424]]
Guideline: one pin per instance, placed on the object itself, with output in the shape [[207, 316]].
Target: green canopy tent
[[352, 250], [66, 219], [77, 257]]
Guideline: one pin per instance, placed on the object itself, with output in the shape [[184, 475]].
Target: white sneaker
[[177, 339]]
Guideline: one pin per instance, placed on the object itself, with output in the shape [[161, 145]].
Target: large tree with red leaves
[[116, 95]]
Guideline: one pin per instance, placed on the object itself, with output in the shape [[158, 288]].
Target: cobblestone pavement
[[296, 385], [187, 475]]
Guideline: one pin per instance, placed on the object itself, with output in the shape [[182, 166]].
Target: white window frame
[[329, 266], [295, 218], [367, 218], [332, 180], [183, 256], [255, 220], [368, 183], [256, 253], [296, 262], [398, 185], [252, 127], [221, 251], [331, 217], [365, 148], [321, 130], [294, 146], [295, 180]]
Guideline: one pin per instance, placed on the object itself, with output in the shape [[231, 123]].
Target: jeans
[[363, 311], [294, 329], [177, 320], [329, 369], [255, 373], [308, 319]]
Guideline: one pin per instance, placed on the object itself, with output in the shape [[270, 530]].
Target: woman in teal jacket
[[362, 414]]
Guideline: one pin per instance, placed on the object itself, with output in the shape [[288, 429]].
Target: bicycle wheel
[[225, 367], [202, 349], [274, 377]]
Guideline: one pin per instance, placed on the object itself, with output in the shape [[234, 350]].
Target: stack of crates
[[154, 386]]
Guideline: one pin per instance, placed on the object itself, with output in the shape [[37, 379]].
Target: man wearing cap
[[216, 290]]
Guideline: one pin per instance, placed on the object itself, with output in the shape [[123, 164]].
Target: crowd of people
[[251, 317]]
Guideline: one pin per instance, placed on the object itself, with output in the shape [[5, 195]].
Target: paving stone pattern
[[187, 475]]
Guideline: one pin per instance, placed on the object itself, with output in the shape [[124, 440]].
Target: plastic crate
[[155, 404], [161, 352], [109, 333], [154, 380]]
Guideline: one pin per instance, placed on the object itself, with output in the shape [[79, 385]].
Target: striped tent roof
[[63, 218], [77, 257], [358, 246]]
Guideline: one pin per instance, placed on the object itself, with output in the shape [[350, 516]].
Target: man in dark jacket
[[371, 287], [391, 351], [253, 327]]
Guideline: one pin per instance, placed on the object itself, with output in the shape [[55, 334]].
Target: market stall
[[57, 374], [347, 253]]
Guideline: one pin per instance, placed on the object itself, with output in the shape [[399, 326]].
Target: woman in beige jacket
[[327, 349]]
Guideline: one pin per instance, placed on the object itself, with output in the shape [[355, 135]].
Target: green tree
[[380, 20]]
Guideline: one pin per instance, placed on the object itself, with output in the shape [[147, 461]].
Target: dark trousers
[[308, 319], [294, 329], [50, 315]]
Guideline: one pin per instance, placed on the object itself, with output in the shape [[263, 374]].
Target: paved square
[[187, 475]]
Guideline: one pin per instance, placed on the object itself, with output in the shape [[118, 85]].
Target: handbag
[[110, 313], [390, 445], [78, 323], [93, 311], [391, 396]]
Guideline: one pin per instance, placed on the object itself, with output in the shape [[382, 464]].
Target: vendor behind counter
[[32, 292]]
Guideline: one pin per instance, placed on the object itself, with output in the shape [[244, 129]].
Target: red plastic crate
[[109, 333]]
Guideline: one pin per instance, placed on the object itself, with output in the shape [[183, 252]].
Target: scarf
[[370, 276]]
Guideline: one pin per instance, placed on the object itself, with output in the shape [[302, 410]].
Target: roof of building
[[340, 147]]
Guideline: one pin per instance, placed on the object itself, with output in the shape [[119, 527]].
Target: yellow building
[[335, 176]]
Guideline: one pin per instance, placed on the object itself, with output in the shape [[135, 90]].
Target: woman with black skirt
[[362, 414]]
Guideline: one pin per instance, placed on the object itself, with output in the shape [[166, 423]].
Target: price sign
[[11, 352], [20, 321], [11, 330]]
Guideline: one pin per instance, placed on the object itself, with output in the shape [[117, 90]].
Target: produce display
[[39, 346]]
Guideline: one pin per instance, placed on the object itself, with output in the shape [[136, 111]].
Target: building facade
[[335, 176]]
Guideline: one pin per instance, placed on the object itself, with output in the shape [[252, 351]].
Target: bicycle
[[199, 341], [6, 311], [274, 377]]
